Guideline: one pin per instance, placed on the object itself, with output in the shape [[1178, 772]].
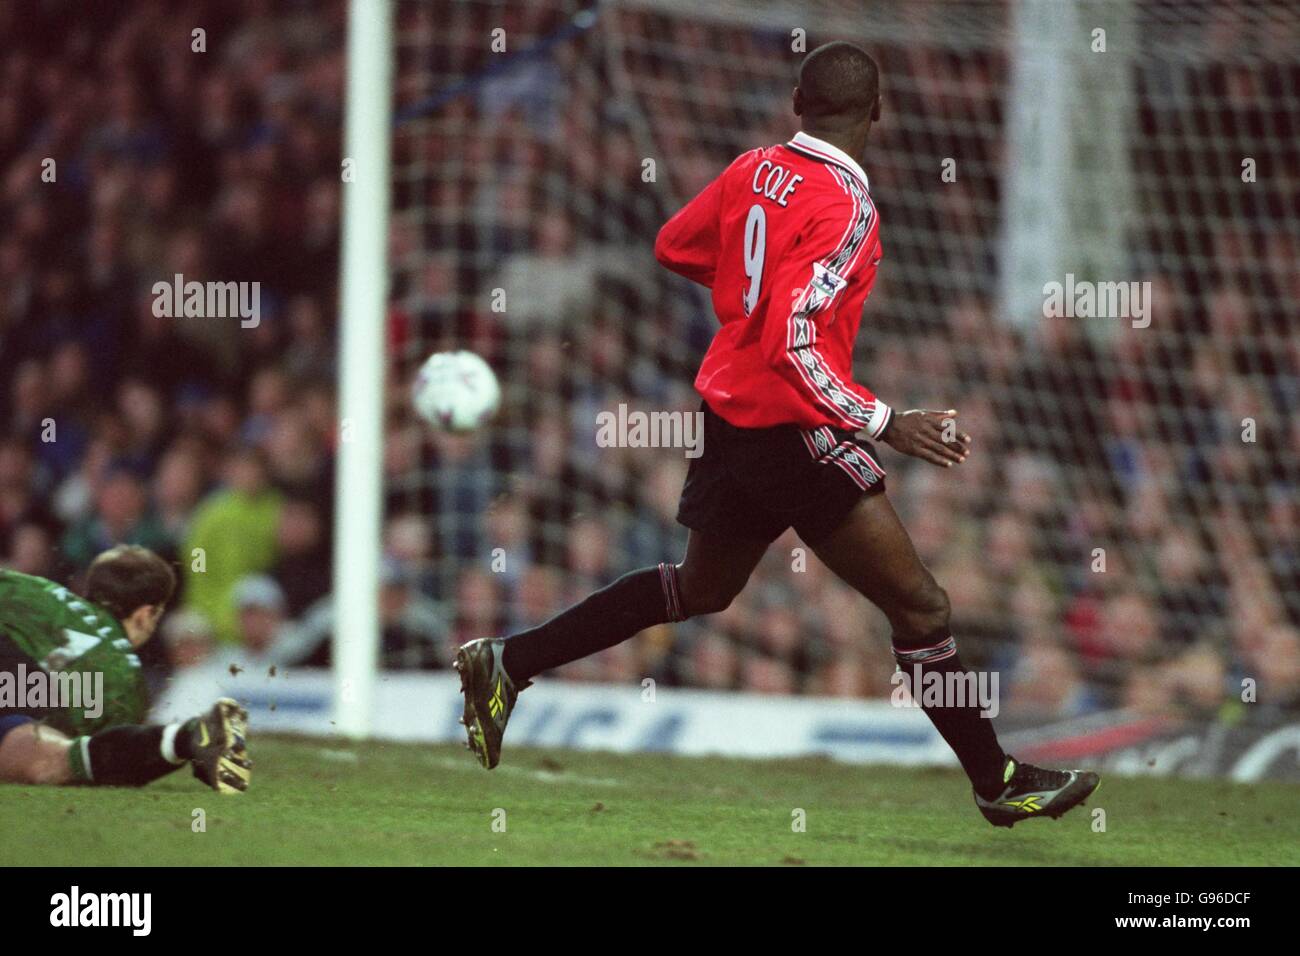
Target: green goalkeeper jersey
[[63, 633]]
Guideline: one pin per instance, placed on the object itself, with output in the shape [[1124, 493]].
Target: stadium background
[[196, 434]]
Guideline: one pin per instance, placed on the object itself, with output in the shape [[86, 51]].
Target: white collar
[[833, 153]]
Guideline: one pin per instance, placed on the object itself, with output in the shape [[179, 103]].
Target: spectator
[[303, 565], [31, 551], [414, 631], [259, 622], [188, 639], [233, 534], [121, 516]]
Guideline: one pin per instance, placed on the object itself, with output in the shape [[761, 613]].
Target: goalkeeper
[[52, 640]]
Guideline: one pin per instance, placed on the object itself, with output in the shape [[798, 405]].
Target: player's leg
[[872, 552], [129, 755], [729, 531], [711, 574], [493, 671]]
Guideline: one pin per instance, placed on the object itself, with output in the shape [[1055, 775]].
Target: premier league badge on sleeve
[[825, 282]]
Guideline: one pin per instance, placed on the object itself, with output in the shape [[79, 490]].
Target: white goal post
[[363, 306]]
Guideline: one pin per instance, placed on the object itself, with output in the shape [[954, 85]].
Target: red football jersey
[[788, 240]]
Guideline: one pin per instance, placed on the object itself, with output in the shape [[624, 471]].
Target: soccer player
[[788, 240], [51, 640]]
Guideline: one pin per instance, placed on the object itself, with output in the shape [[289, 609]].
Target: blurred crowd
[[1115, 540]]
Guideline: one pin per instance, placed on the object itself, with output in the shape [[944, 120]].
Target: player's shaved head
[[839, 84]]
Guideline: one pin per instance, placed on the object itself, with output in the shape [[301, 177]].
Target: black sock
[[183, 742], [637, 600], [130, 756], [970, 735]]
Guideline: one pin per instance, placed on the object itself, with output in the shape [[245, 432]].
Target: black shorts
[[756, 482]]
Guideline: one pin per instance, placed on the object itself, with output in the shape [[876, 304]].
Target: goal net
[[1127, 531]]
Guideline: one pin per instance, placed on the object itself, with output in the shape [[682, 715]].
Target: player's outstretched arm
[[130, 755], [805, 292], [31, 753], [929, 435]]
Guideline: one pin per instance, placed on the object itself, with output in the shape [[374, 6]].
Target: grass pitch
[[327, 803]]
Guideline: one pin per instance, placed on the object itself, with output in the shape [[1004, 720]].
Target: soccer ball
[[456, 391]]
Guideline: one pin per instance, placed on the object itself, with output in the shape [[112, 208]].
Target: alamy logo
[[75, 908], [634, 429], [932, 688], [208, 300], [1098, 300], [53, 690]]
